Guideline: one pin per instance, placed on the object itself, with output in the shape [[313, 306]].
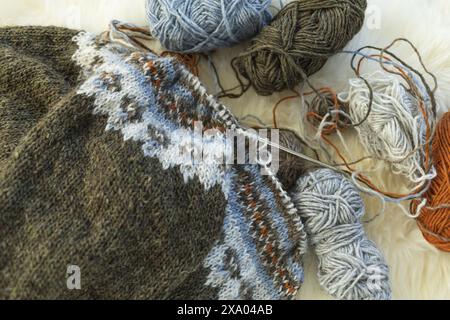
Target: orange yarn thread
[[434, 220]]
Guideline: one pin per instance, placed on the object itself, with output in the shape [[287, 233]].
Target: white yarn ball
[[395, 129]]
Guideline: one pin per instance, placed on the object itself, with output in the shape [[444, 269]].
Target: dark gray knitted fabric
[[86, 181]]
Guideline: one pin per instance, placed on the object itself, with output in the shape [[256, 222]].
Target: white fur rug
[[418, 270]]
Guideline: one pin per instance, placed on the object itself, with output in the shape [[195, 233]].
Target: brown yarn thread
[[298, 43], [434, 220]]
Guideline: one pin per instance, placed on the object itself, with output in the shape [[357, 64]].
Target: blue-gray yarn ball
[[191, 26], [350, 265]]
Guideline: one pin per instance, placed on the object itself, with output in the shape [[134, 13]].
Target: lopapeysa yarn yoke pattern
[[97, 180]]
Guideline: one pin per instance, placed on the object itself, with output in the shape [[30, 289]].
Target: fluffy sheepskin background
[[418, 270]]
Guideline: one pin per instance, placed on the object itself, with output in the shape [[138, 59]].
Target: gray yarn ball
[[191, 26], [350, 266]]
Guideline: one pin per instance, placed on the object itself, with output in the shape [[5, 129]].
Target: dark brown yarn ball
[[299, 42], [291, 167]]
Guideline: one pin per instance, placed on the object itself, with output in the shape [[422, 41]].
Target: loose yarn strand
[[298, 43], [129, 34]]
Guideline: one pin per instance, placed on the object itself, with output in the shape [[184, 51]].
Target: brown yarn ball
[[291, 167], [299, 42]]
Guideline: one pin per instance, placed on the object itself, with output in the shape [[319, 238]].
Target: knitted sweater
[[90, 176]]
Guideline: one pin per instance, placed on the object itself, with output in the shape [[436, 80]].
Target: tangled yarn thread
[[435, 223], [350, 265], [299, 41], [204, 25], [395, 129]]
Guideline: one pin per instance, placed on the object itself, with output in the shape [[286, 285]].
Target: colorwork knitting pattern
[[156, 101], [94, 172]]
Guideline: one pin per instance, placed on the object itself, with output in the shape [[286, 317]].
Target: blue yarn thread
[[191, 26]]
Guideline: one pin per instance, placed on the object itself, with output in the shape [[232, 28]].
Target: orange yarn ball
[[435, 223]]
